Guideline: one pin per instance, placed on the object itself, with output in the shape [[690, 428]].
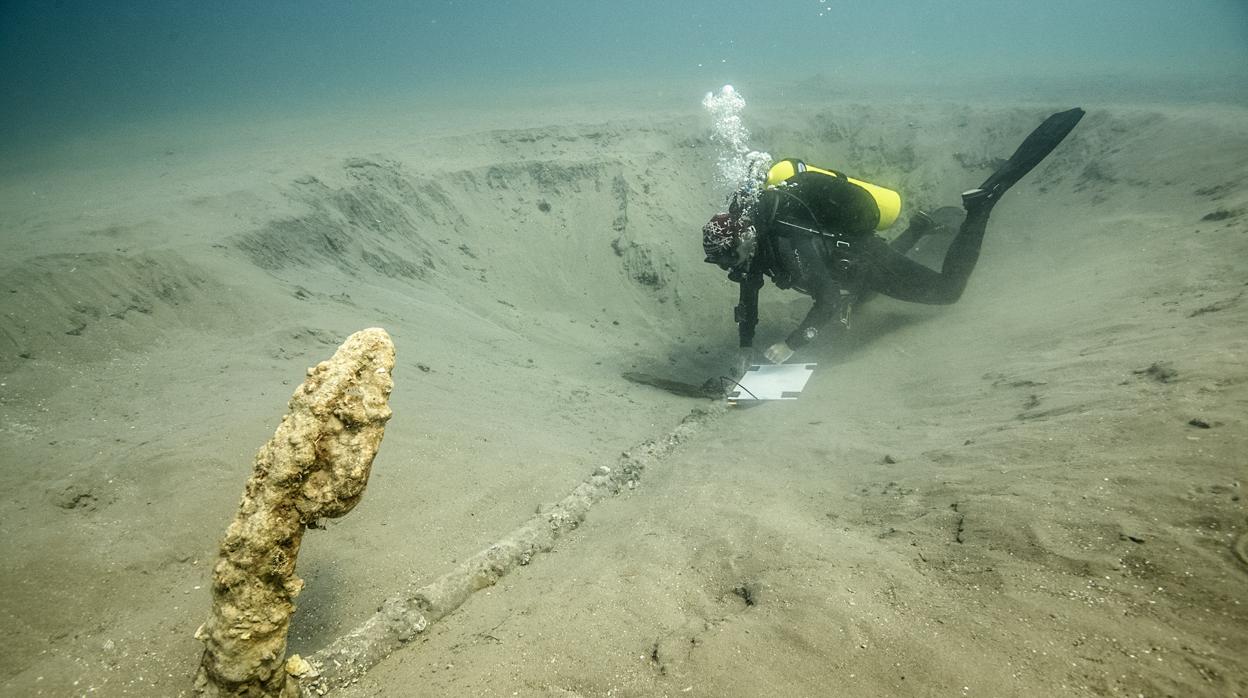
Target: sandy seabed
[[1036, 491]]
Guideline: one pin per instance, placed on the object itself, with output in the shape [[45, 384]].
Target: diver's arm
[[827, 297], [820, 283], [746, 312]]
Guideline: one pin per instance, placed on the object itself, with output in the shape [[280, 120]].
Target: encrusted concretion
[[316, 466]]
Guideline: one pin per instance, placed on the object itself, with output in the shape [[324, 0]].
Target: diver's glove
[[778, 353], [745, 358]]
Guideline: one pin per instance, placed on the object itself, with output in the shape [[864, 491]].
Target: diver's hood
[[728, 240]]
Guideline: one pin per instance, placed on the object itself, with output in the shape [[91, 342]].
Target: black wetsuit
[[816, 234]]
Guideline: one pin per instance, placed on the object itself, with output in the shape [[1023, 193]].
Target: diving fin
[[1033, 150]]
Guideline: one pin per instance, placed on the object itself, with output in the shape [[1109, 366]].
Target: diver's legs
[[945, 219], [920, 225], [892, 273], [963, 254], [887, 270]]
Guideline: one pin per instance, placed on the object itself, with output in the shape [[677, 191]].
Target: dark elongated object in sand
[[711, 389], [316, 466]]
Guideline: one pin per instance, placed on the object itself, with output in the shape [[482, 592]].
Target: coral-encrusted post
[[315, 466]]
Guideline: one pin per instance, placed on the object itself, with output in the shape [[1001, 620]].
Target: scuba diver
[[813, 230]]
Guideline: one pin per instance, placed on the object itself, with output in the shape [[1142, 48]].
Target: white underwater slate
[[772, 382]]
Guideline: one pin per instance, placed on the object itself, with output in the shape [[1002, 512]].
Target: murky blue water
[[80, 64]]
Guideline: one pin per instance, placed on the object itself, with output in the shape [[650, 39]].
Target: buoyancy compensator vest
[[823, 212], [847, 206]]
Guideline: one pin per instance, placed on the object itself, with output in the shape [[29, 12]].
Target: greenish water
[[79, 66]]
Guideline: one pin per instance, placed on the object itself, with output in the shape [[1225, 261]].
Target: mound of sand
[[1035, 491]]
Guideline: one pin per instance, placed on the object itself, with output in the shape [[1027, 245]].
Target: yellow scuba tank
[[887, 200]]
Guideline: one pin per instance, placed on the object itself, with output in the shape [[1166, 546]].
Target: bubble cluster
[[736, 166]]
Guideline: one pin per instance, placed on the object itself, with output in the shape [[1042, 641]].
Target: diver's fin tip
[[1034, 149]]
